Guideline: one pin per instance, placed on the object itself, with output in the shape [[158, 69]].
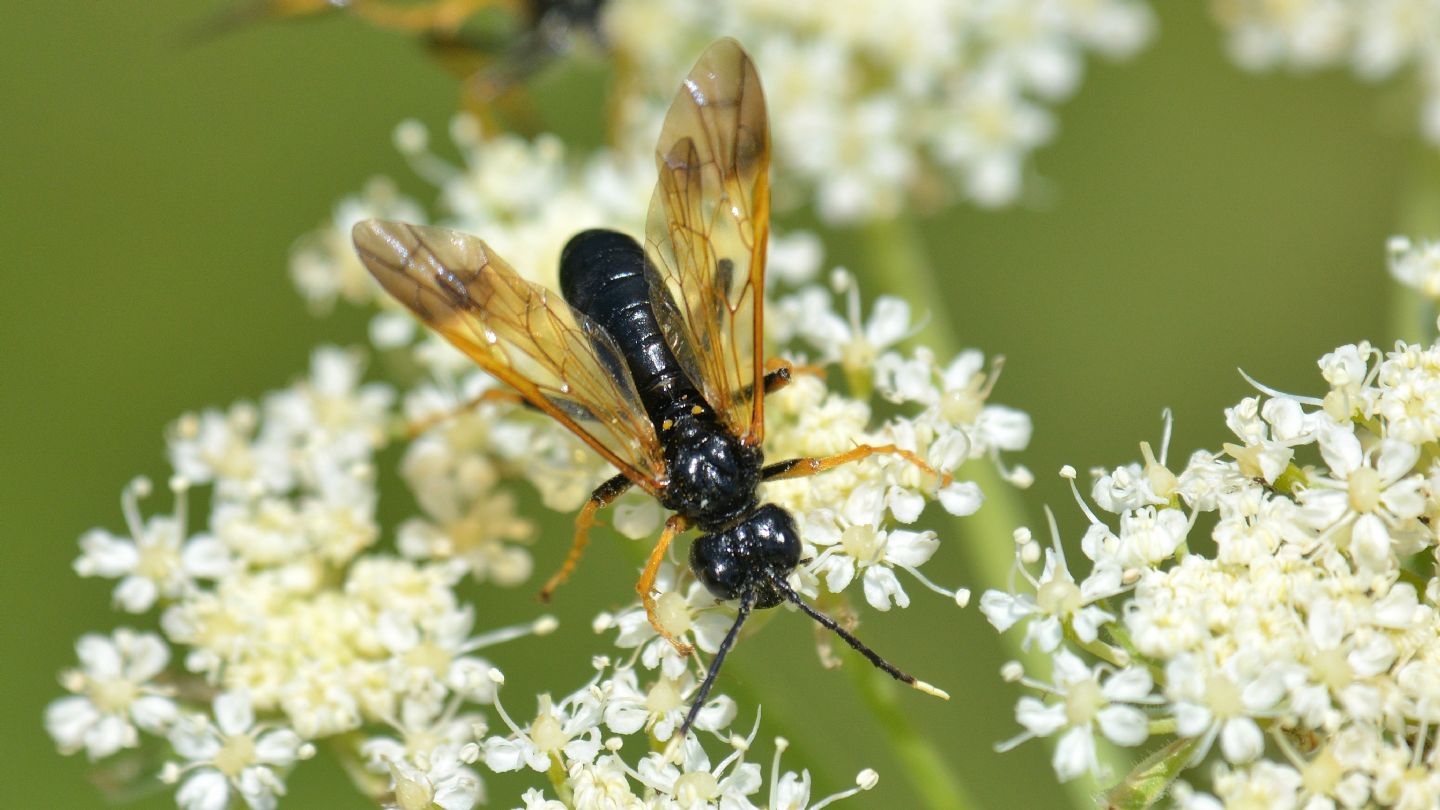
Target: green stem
[[928, 770], [895, 257], [1412, 318], [1150, 780]]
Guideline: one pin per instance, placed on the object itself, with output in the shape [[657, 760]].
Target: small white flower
[[567, 730], [692, 617], [1085, 706], [156, 560], [440, 779], [113, 694], [231, 756], [853, 543], [1057, 602]]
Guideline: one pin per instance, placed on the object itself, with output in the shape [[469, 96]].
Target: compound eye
[[716, 564]]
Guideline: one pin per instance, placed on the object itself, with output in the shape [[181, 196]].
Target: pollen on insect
[[667, 424], [696, 410]]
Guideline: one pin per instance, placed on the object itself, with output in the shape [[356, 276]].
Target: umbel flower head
[[1378, 40], [1300, 655], [291, 620], [887, 104]]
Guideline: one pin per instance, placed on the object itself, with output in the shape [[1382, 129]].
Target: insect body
[[654, 358]]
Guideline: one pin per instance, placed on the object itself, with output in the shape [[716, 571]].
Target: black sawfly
[[654, 356]]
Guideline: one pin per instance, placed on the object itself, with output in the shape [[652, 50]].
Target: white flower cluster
[[291, 625], [1416, 266], [292, 628], [1377, 39], [1299, 630], [885, 104], [588, 769]]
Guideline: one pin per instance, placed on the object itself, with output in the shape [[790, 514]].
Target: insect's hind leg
[[803, 467], [646, 585], [603, 496]]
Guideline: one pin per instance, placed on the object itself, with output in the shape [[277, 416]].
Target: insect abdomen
[[602, 274]]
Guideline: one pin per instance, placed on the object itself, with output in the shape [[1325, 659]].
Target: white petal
[[154, 713], [839, 572], [503, 756], [1005, 609], [110, 733], [279, 747], [1340, 448], [1074, 753], [1370, 543], [135, 594], [99, 656], [1129, 685], [1241, 740], [1124, 725], [1087, 622], [68, 718], [910, 548], [1067, 668], [1396, 459], [460, 792], [205, 790], [881, 586], [1046, 633], [206, 557], [233, 713], [889, 321], [905, 504], [106, 555], [962, 498], [625, 718], [1191, 720], [1038, 718], [147, 656]]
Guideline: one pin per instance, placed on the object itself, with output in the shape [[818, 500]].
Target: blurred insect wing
[[556, 358]]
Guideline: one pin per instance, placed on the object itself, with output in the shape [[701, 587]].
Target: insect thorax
[[713, 474]]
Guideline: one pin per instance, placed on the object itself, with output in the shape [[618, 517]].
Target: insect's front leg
[[603, 496], [803, 467], [646, 586]]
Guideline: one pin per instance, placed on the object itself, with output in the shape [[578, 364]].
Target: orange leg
[[603, 496], [779, 372], [646, 586], [493, 395], [803, 467]]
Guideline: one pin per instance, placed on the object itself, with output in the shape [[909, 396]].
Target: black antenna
[[874, 657], [747, 600]]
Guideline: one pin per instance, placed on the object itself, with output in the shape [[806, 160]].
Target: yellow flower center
[[673, 613], [663, 697], [413, 794], [1223, 696], [1332, 669], [696, 787], [1365, 489], [547, 734], [1082, 701], [237, 754], [1058, 597], [113, 696], [863, 543]]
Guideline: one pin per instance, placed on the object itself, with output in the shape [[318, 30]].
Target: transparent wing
[[707, 231], [525, 335]]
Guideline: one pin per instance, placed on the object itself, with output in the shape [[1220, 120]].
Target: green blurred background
[[1197, 219]]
